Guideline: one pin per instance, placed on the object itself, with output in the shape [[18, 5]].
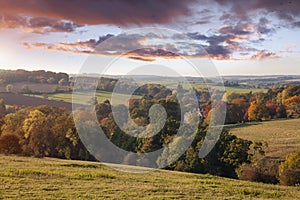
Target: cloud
[[296, 24], [85, 47], [226, 41], [141, 58], [122, 12], [227, 44], [37, 24], [240, 29], [245, 9], [144, 47], [261, 55], [263, 26]]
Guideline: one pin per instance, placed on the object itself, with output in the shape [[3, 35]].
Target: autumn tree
[[293, 106], [2, 108], [289, 170], [257, 111], [10, 144]]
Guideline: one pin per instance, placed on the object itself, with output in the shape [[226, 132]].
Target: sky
[[257, 37]]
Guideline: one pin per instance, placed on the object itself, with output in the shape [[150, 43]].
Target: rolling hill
[[49, 178]]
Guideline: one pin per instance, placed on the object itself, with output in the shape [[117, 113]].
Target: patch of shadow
[[80, 165]]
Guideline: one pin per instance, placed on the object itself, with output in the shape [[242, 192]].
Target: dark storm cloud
[[123, 12]]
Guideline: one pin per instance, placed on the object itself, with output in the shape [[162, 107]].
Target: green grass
[[48, 178], [282, 136], [229, 89], [201, 85], [81, 97]]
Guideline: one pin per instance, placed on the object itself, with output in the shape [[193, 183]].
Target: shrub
[[264, 170], [292, 161], [248, 173], [289, 170], [290, 177]]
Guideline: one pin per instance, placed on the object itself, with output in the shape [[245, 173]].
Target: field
[[230, 89], [34, 87], [81, 97], [48, 178], [201, 85], [282, 136], [21, 100]]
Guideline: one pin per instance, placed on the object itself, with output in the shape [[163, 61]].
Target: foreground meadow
[[48, 178]]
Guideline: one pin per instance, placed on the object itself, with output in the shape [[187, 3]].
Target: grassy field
[[81, 97], [201, 85], [282, 136], [48, 178], [229, 89]]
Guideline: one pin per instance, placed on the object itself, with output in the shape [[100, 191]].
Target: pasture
[[81, 97], [282, 136]]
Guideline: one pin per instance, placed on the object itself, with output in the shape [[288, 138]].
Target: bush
[[290, 177], [290, 169], [10, 144], [264, 170], [292, 161], [248, 173]]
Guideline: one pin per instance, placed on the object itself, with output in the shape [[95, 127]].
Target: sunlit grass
[[282, 136], [33, 178], [82, 97]]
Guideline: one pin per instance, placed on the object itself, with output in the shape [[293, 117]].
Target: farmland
[[229, 89], [36, 178], [34, 87], [81, 97], [201, 85], [282, 136], [21, 100]]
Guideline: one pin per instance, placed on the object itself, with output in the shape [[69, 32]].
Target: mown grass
[[48, 178], [282, 136]]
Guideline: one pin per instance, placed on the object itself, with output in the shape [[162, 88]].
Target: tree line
[[40, 76]]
